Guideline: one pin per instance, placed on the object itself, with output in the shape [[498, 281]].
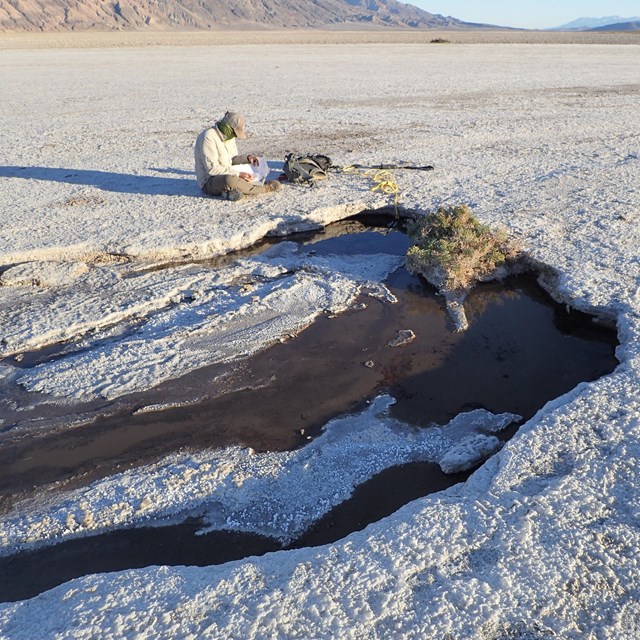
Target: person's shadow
[[109, 181]]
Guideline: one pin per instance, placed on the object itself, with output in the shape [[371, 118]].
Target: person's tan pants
[[216, 185]]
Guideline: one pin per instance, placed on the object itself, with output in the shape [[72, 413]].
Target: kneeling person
[[216, 153]]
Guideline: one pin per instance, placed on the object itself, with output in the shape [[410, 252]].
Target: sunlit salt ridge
[[543, 539], [274, 494], [85, 234]]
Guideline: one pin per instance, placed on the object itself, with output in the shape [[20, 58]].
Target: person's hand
[[253, 160], [245, 176]]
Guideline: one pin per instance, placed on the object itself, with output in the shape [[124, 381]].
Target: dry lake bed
[[241, 411]]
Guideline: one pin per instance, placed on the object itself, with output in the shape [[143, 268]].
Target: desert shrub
[[453, 250], [440, 41]]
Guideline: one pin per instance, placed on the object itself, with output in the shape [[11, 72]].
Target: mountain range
[[633, 25], [101, 15], [596, 24]]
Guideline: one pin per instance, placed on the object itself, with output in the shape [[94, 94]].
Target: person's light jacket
[[214, 156]]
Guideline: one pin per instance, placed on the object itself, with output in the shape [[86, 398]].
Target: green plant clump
[[453, 250]]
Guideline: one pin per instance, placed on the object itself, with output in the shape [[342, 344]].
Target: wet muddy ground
[[520, 351]]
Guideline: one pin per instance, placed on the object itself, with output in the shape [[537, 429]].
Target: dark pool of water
[[26, 575], [520, 351]]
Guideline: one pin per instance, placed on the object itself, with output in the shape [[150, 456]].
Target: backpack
[[306, 169]]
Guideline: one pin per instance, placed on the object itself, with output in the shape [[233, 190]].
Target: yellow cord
[[384, 180]]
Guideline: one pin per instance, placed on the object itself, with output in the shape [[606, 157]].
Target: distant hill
[[620, 26], [591, 24], [104, 15]]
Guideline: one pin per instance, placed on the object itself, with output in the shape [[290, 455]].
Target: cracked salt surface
[[543, 539]]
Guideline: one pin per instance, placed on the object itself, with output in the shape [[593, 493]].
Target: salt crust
[[202, 317], [43, 274], [274, 494], [542, 540]]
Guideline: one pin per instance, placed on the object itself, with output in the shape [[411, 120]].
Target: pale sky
[[529, 14]]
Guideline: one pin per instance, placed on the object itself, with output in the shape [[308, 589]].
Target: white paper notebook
[[259, 171]]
